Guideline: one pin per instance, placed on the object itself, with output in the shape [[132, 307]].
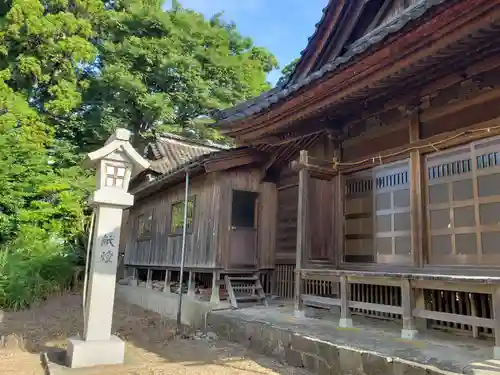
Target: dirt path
[[152, 348]]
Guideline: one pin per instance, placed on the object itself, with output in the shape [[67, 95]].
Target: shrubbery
[[33, 268]]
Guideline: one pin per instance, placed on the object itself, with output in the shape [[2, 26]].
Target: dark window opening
[[243, 209]]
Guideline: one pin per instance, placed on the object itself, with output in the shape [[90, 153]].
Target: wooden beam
[[408, 303], [455, 318], [166, 284], [149, 281], [496, 317], [344, 30], [244, 157], [417, 191], [268, 165], [441, 31], [315, 171], [302, 228], [455, 138], [306, 63], [378, 17]]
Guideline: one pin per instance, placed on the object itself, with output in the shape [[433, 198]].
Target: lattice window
[[392, 218], [115, 176], [463, 204], [377, 215]]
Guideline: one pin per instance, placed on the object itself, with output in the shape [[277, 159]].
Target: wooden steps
[[244, 289]]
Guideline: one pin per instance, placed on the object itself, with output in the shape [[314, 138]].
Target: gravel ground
[[152, 347]]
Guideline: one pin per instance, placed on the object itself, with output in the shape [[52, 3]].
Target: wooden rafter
[[380, 15], [441, 31]]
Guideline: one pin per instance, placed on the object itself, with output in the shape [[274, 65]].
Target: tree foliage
[[287, 71], [162, 69], [71, 71]]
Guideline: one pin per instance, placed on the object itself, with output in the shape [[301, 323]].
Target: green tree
[[36, 195], [287, 71], [71, 71], [162, 70]]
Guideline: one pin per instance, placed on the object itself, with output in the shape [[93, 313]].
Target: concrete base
[[409, 334], [299, 314], [81, 353], [345, 323], [496, 352]]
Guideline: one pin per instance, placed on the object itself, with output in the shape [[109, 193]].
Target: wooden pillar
[[302, 232], [417, 193], [191, 284], [274, 286], [409, 331], [345, 297], [149, 281], [496, 316], [417, 208], [166, 285], [215, 295]]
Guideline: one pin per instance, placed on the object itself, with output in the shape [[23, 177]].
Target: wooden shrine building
[[385, 156], [230, 216]]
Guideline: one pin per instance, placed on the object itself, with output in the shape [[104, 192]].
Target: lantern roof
[[118, 148]]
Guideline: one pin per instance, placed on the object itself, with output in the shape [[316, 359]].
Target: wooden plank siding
[[164, 249], [321, 200], [207, 244], [247, 179]]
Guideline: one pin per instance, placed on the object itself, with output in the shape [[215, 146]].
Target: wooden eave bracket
[[320, 173]]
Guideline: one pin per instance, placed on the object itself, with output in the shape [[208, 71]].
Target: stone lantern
[[116, 163]]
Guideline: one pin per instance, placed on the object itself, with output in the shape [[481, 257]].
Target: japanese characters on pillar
[[107, 248], [115, 163]]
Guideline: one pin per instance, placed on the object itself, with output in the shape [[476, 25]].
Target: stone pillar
[[215, 295], [115, 163], [191, 284], [102, 278]]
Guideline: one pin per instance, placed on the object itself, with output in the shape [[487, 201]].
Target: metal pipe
[[86, 274], [183, 251]]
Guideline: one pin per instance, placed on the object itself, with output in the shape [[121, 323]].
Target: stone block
[[330, 354], [82, 353], [293, 357], [351, 362], [310, 362], [488, 367], [374, 364], [401, 367], [304, 344], [324, 369]]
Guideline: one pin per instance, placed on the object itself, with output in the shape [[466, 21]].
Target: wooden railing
[[283, 274], [463, 303]]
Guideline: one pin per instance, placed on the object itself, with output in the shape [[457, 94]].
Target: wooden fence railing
[[449, 302]]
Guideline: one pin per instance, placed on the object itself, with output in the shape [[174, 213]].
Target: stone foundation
[[166, 304], [320, 357]]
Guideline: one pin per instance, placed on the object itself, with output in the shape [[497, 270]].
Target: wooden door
[[243, 230]]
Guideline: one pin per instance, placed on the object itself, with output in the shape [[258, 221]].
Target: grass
[[28, 276]]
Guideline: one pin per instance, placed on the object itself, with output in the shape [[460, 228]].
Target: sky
[[282, 26]]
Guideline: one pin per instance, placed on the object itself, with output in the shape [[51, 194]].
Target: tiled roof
[[267, 99], [168, 152]]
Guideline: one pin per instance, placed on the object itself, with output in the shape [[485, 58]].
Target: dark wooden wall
[[207, 245], [249, 180], [450, 113], [164, 249], [322, 202]]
